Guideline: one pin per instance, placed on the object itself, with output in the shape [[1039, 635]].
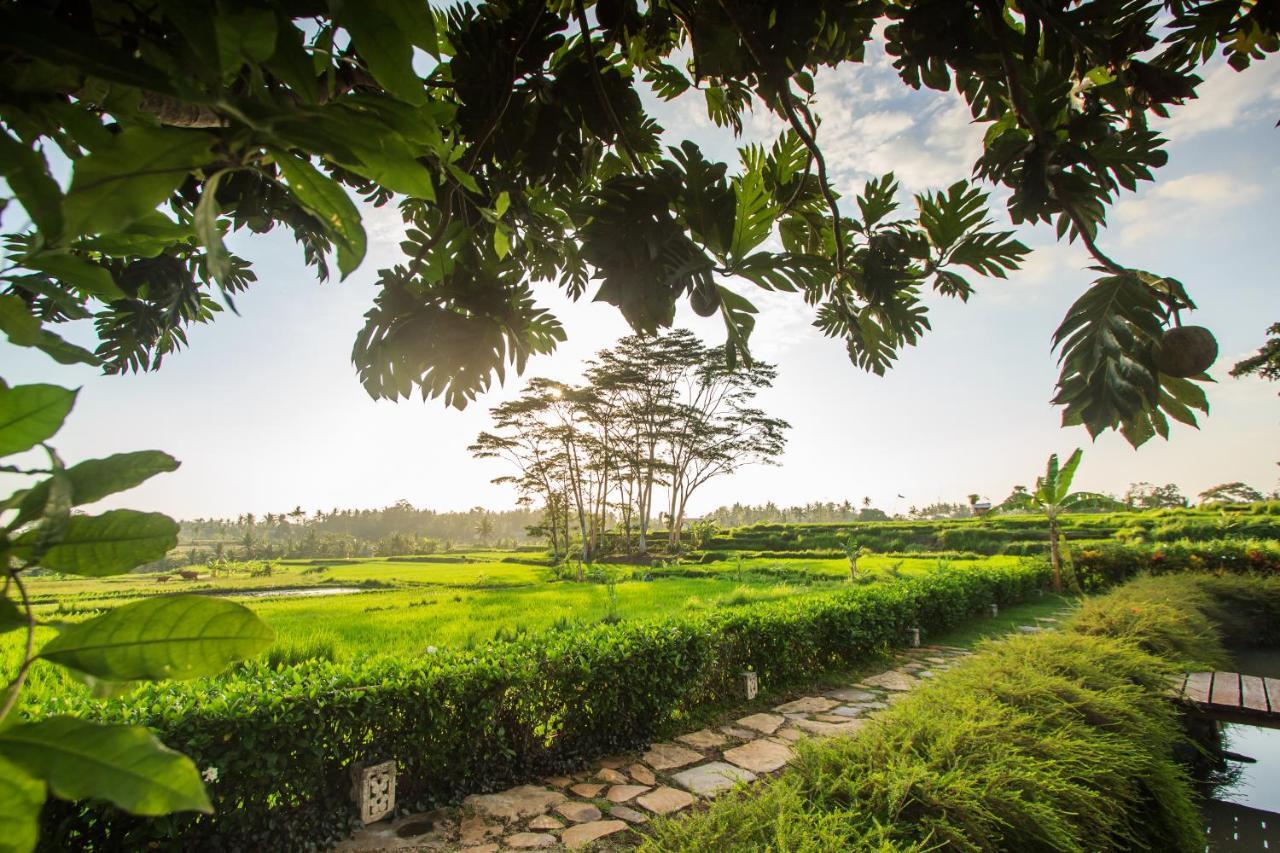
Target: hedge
[[1101, 565], [459, 722]]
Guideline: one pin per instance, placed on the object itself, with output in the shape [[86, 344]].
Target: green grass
[[406, 608], [1009, 619]]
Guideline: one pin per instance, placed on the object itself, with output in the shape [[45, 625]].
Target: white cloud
[[1228, 99], [1179, 202]]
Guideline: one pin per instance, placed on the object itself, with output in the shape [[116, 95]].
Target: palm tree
[[1053, 497], [484, 528]]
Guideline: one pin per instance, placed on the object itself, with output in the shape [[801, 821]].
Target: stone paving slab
[[703, 739], [670, 756], [739, 733], [585, 833], [892, 680], [642, 774], [759, 756], [530, 840], [622, 793], [666, 800], [613, 777], [807, 705], [816, 727], [628, 814], [588, 790], [579, 812], [709, 779], [764, 723], [515, 803], [851, 694], [474, 829], [545, 821]]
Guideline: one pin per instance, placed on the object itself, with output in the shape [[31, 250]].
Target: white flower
[[209, 774], [431, 650]]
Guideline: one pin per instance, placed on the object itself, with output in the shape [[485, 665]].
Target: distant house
[[981, 507]]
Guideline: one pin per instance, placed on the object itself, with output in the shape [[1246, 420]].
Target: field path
[[606, 802]]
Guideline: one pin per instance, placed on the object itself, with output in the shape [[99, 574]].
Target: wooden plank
[[1226, 689], [1273, 694], [1253, 694], [1197, 689]]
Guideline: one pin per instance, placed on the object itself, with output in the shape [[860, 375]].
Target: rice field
[[353, 611]]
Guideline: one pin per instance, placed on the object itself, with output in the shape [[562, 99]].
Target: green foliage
[[31, 414], [125, 765], [1003, 752], [1264, 363], [157, 638], [514, 140], [1101, 565], [180, 636], [458, 721]]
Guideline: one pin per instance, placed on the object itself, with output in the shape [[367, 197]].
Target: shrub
[[1102, 565], [459, 722]]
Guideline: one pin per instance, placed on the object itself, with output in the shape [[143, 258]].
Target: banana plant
[[1053, 497]]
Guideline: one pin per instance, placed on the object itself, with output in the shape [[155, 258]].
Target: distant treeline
[[397, 529]]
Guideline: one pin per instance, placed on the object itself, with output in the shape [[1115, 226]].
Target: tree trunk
[[1055, 554]]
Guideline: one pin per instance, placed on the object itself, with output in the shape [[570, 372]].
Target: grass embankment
[[1061, 740]]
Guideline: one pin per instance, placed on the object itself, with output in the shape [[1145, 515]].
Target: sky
[[265, 411]]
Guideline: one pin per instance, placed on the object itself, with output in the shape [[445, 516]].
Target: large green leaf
[[107, 544], [94, 479], [23, 329], [754, 215], [30, 414], [86, 276], [11, 617], [21, 797], [1067, 474], [180, 636], [329, 203], [129, 177], [378, 34], [27, 174], [125, 765]]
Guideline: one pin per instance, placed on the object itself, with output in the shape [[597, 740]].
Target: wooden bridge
[[1234, 697]]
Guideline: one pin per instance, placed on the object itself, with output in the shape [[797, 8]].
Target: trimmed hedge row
[[283, 740], [1101, 565]]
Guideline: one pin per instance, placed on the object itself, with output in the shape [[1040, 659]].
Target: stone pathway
[[612, 800]]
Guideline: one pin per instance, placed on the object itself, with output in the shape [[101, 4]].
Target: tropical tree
[[1053, 497], [1148, 496], [1237, 492], [1266, 361], [513, 141], [484, 527], [853, 551]]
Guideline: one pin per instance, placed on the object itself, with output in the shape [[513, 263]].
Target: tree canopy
[[513, 139], [654, 413]]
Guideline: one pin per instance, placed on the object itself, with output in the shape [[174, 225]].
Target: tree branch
[[581, 14], [1027, 118]]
